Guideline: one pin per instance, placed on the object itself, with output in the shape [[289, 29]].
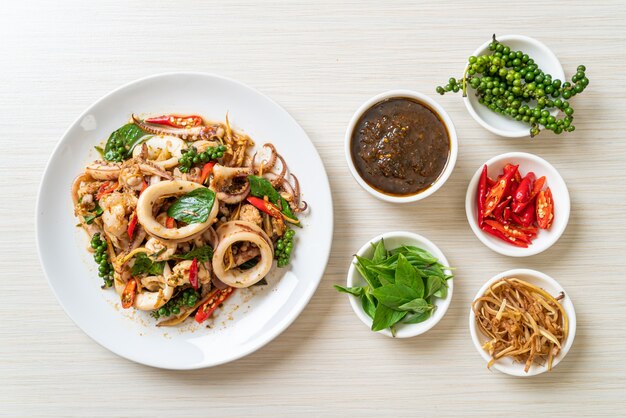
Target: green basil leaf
[[130, 135], [260, 187], [385, 275], [249, 264], [380, 252], [385, 317], [355, 291], [390, 261], [204, 253], [442, 293], [96, 213], [394, 295], [361, 265], [407, 275], [417, 253], [143, 264], [417, 318], [433, 284], [438, 270], [194, 207], [369, 303], [417, 305]]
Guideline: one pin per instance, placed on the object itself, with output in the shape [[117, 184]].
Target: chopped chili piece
[[496, 193], [132, 225], [176, 121], [193, 274], [128, 295], [482, 194], [545, 209], [213, 302], [515, 207], [105, 189]]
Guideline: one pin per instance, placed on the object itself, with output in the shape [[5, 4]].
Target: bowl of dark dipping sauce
[[401, 146]]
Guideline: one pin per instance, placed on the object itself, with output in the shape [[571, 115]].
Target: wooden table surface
[[321, 60]]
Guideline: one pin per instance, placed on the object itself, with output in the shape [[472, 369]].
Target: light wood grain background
[[321, 60]]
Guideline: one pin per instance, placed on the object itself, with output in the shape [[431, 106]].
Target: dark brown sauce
[[400, 146]]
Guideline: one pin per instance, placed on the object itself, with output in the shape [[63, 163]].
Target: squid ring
[[151, 195], [232, 232]]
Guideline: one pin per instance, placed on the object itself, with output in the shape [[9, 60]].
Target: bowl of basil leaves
[[400, 284]]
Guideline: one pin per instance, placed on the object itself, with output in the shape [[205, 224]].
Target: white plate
[[247, 321]]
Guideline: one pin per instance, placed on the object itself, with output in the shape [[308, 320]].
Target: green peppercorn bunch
[[191, 157], [507, 81], [187, 297], [283, 248], [105, 268], [118, 151]]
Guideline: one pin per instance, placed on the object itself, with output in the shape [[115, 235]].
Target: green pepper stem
[[465, 81]]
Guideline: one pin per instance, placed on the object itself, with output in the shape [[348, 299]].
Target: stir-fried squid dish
[[522, 321], [181, 213]]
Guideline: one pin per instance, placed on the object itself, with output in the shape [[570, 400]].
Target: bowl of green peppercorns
[[514, 87]]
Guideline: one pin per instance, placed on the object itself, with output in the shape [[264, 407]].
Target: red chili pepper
[[512, 233], [496, 193], [265, 206], [206, 171], [132, 225], [176, 121], [170, 223], [128, 295], [538, 186], [498, 211], [527, 217], [530, 231], [516, 218], [490, 230], [105, 189], [506, 214], [144, 186], [519, 207], [518, 177], [490, 182], [215, 300], [524, 190], [193, 274], [545, 209], [482, 193]]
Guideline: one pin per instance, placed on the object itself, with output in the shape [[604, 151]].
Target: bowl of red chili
[[517, 204]]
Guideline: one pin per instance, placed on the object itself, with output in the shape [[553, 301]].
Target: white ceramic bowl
[[527, 162], [394, 240], [500, 124], [508, 365], [454, 146]]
